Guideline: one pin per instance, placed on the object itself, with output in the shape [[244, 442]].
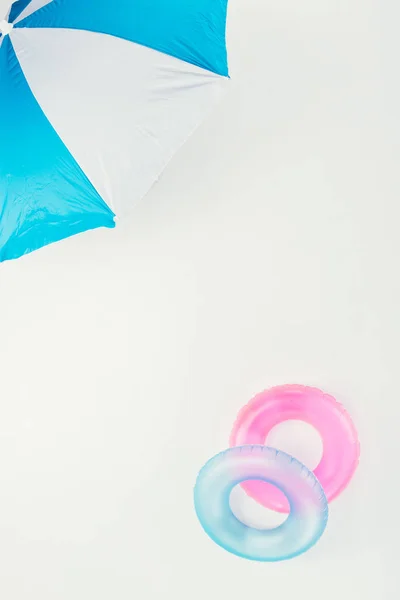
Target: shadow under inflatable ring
[[308, 505]]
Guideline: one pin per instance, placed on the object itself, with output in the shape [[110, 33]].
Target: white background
[[268, 253]]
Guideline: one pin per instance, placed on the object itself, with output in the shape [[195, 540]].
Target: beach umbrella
[[96, 96]]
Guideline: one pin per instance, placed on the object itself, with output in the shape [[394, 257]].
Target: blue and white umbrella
[[95, 97]]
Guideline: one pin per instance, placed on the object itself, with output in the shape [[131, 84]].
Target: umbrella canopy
[[96, 97]]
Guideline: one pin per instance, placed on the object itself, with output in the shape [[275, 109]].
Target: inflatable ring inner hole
[[251, 513], [297, 438]]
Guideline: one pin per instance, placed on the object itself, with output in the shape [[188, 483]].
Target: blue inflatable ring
[[308, 505]]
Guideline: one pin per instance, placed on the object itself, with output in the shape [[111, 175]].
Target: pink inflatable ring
[[341, 448]]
